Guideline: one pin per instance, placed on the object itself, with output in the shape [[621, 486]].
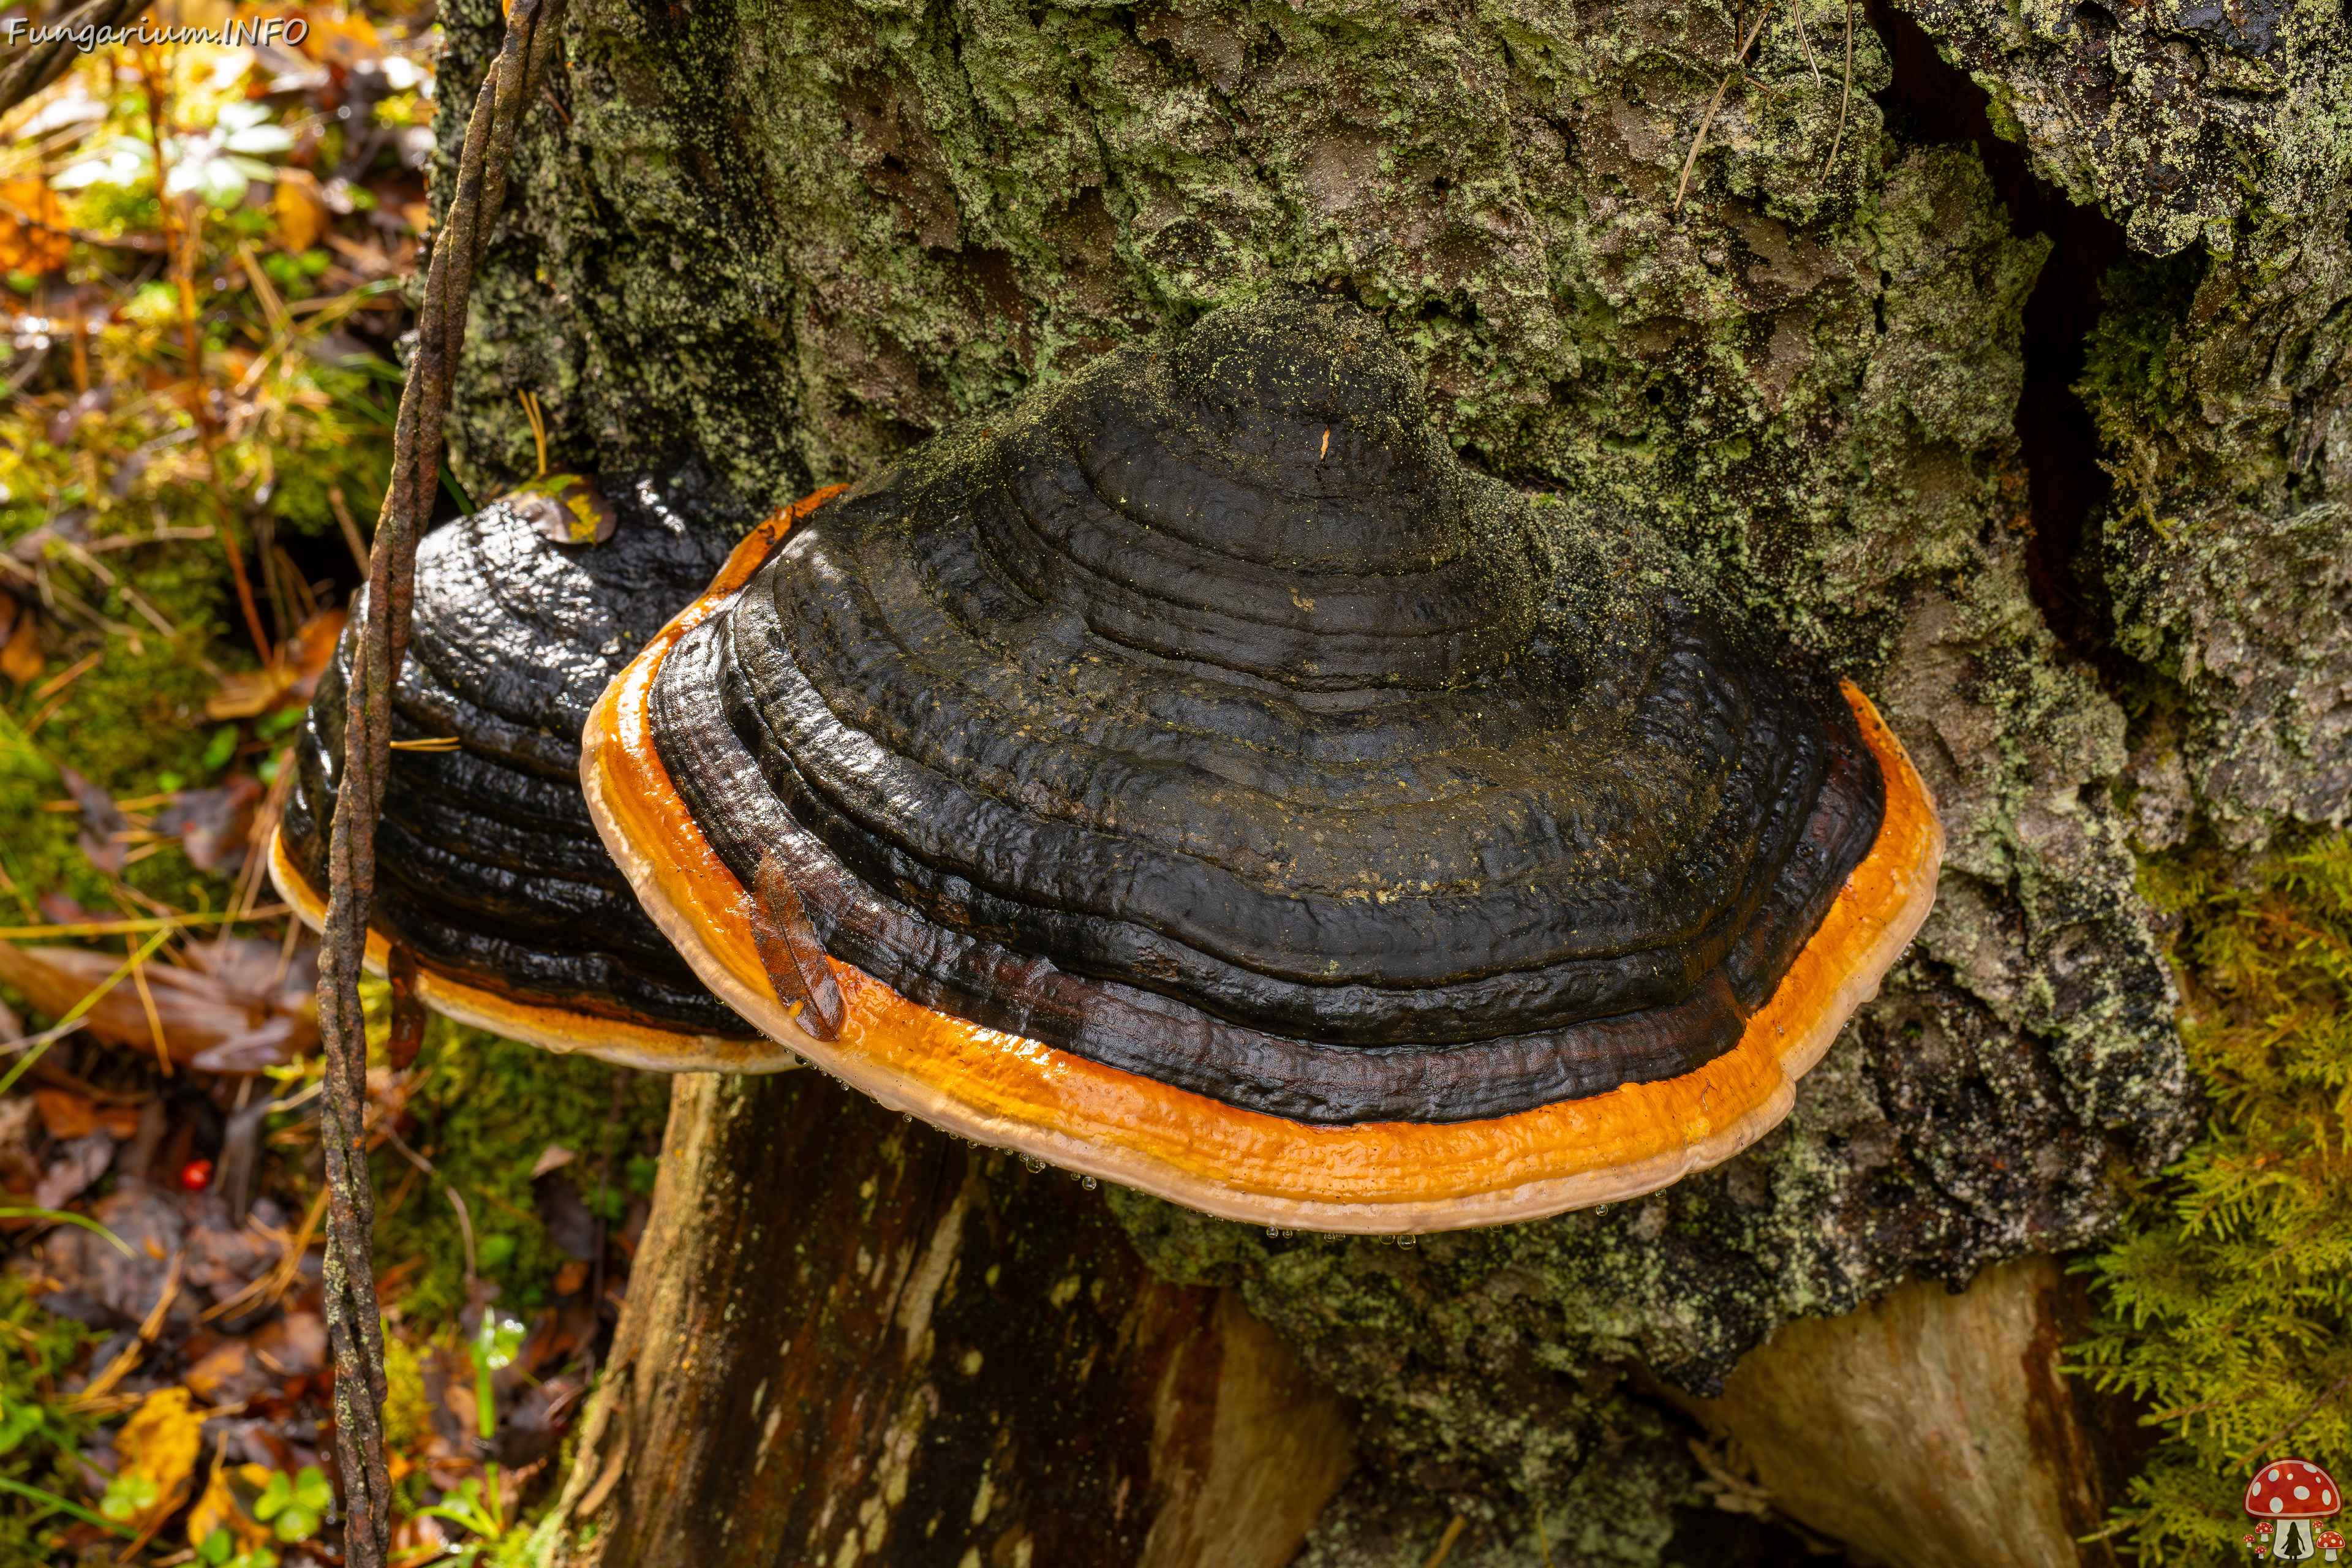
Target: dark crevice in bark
[[1930, 100]]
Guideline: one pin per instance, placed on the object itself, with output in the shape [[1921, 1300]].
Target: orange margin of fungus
[[1388, 1177], [563, 1029]]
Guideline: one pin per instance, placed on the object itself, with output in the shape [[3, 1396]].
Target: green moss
[[37, 1433], [408, 1413], [2134, 378], [2228, 1299], [486, 1109]]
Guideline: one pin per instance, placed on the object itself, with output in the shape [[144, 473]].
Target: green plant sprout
[[128, 1496], [293, 1508], [219, 1551], [470, 1511], [477, 1508]]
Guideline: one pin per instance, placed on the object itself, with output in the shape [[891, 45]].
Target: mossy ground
[[486, 1111]]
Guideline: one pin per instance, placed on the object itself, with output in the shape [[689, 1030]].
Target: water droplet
[[1088, 1183], [1032, 1163]]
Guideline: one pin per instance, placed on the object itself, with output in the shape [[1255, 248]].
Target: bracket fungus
[[1198, 778], [487, 868]]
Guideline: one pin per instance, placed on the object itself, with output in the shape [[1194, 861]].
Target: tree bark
[[851, 1338], [1839, 372]]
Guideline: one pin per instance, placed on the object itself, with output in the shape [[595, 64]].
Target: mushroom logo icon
[[2289, 1496]]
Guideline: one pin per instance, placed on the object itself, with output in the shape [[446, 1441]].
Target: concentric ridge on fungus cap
[[488, 866], [1205, 719]]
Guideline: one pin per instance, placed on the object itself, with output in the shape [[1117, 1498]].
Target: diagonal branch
[[354, 1325], [44, 62]]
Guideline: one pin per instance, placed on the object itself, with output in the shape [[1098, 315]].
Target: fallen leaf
[[33, 237], [301, 211], [214, 825], [78, 1164], [103, 826], [226, 1365], [208, 1019], [218, 1509], [554, 1157], [19, 1116], [294, 1344], [565, 509], [20, 659], [113, 1289], [65, 1113], [62, 909], [338, 39], [291, 676], [162, 1442]]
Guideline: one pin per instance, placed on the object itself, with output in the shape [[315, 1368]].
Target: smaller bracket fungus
[[1198, 779], [487, 867]]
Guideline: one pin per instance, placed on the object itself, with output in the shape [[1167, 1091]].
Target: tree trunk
[[853, 1338], [1824, 339]]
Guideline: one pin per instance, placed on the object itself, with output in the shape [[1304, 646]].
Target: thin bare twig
[[1845, 96], [354, 1325], [1698, 142], [1797, 17]]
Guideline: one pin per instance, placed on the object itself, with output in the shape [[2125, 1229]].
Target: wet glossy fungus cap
[[1198, 777], [488, 866]]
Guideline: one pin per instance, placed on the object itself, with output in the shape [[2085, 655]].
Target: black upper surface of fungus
[[486, 862], [1206, 718]]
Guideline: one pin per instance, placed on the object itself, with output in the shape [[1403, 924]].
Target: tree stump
[[854, 1338]]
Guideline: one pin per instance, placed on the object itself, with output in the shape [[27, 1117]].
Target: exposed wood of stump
[[851, 1338], [1931, 1430]]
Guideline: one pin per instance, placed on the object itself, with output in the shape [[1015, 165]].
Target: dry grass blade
[[1698, 141], [1845, 96], [280, 1279], [1796, 19], [133, 1352]]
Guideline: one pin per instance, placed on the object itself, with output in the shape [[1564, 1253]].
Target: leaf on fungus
[[794, 959]]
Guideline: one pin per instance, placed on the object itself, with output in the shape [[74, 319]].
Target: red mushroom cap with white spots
[[2292, 1489], [2329, 1540]]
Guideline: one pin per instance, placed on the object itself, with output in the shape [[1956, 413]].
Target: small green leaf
[[311, 1492], [128, 1496]]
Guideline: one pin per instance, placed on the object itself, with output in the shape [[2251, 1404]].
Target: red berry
[[196, 1175]]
